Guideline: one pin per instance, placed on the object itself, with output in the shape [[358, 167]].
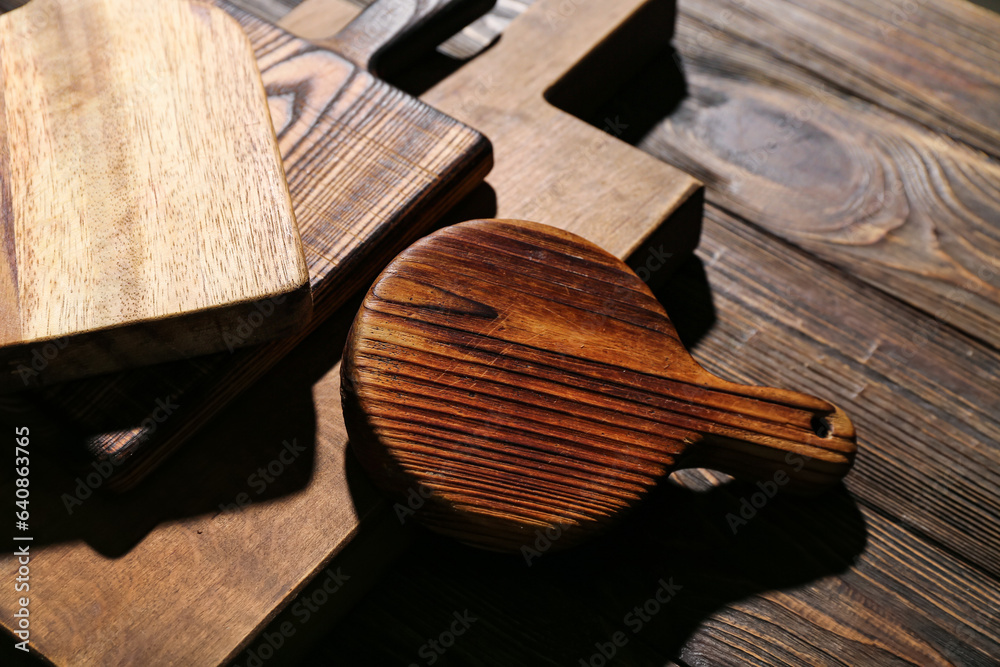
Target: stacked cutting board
[[192, 562]]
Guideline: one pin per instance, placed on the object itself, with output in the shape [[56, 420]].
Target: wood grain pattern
[[932, 62], [137, 224], [368, 167], [527, 380], [908, 576], [550, 157], [903, 207]]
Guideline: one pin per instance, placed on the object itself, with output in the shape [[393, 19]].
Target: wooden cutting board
[[525, 380], [144, 205], [369, 169]]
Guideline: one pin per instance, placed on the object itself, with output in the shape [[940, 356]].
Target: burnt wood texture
[[524, 379], [369, 169]]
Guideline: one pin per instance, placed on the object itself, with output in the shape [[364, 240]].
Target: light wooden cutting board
[[143, 201]]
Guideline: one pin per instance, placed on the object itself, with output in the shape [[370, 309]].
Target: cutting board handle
[[390, 34], [786, 439]]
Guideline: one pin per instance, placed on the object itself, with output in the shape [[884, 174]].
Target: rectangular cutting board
[[143, 205]]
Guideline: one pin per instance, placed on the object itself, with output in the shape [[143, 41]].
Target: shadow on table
[[259, 448], [561, 608]]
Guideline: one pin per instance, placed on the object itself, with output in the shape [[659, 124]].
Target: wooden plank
[[132, 236], [368, 168], [921, 395], [909, 211], [552, 162], [936, 63]]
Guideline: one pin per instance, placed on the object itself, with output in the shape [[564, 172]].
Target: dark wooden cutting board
[[524, 379], [369, 169]]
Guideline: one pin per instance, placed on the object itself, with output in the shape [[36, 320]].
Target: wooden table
[[851, 248]]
